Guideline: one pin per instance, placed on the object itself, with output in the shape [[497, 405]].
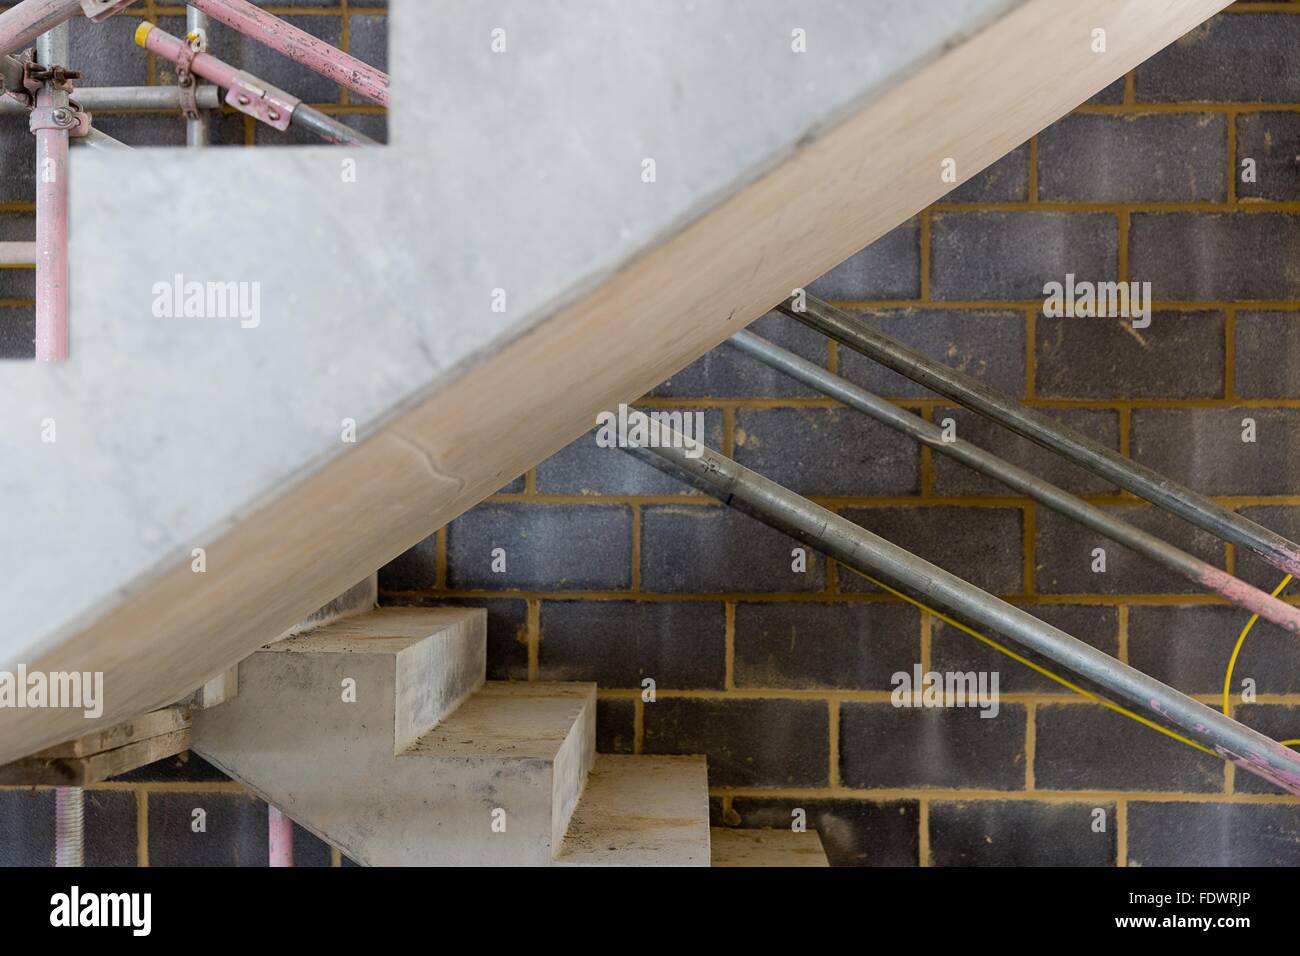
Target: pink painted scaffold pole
[[297, 45]]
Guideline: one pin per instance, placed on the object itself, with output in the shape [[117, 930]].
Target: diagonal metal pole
[[832, 535], [248, 94], [1193, 568], [1140, 480], [299, 46], [22, 23]]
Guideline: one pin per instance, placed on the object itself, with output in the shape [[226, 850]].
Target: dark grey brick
[[1213, 834], [26, 827], [184, 767], [954, 650], [1114, 93], [1088, 747], [1237, 58], [615, 725], [1020, 833], [1278, 721], [1180, 355], [951, 477], [1153, 157], [1216, 256], [725, 373], [748, 742], [680, 645], [706, 549], [1188, 647], [982, 545], [1012, 255], [106, 55], [1272, 140], [17, 330], [236, 833], [827, 451], [110, 833], [17, 160], [1285, 520], [415, 569], [1202, 448], [886, 746], [802, 646], [853, 832], [585, 468], [1063, 554], [548, 547], [989, 346], [309, 849], [1267, 354], [1007, 180], [507, 630], [889, 268], [368, 41]]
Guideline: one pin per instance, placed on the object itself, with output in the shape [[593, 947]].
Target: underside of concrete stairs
[[380, 735], [464, 354]]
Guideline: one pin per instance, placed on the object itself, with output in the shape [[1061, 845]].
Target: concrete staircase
[[380, 734]]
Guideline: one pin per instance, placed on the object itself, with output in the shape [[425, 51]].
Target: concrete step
[[641, 811], [432, 659], [518, 754], [767, 848]]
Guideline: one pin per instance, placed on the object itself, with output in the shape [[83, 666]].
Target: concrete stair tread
[[382, 630], [768, 848], [640, 811], [509, 720]]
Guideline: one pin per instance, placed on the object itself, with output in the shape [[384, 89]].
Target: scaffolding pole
[[21, 25], [197, 124], [932, 436], [1140, 480], [870, 554], [248, 94], [50, 121], [299, 46]]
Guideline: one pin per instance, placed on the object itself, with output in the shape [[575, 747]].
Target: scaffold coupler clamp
[[196, 42]]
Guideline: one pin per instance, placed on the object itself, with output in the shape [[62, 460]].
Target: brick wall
[[615, 573]]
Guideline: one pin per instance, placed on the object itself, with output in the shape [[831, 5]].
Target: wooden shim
[[131, 731], [82, 771]]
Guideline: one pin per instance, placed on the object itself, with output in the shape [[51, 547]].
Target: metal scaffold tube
[[1140, 480], [196, 126], [20, 25], [932, 436], [247, 93], [870, 554], [109, 98], [300, 46], [50, 121]]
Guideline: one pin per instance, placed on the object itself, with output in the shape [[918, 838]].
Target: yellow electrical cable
[[1232, 661], [1030, 664]]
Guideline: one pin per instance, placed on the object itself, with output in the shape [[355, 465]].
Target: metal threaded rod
[[871, 554], [1201, 572], [1097, 458], [69, 826]]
